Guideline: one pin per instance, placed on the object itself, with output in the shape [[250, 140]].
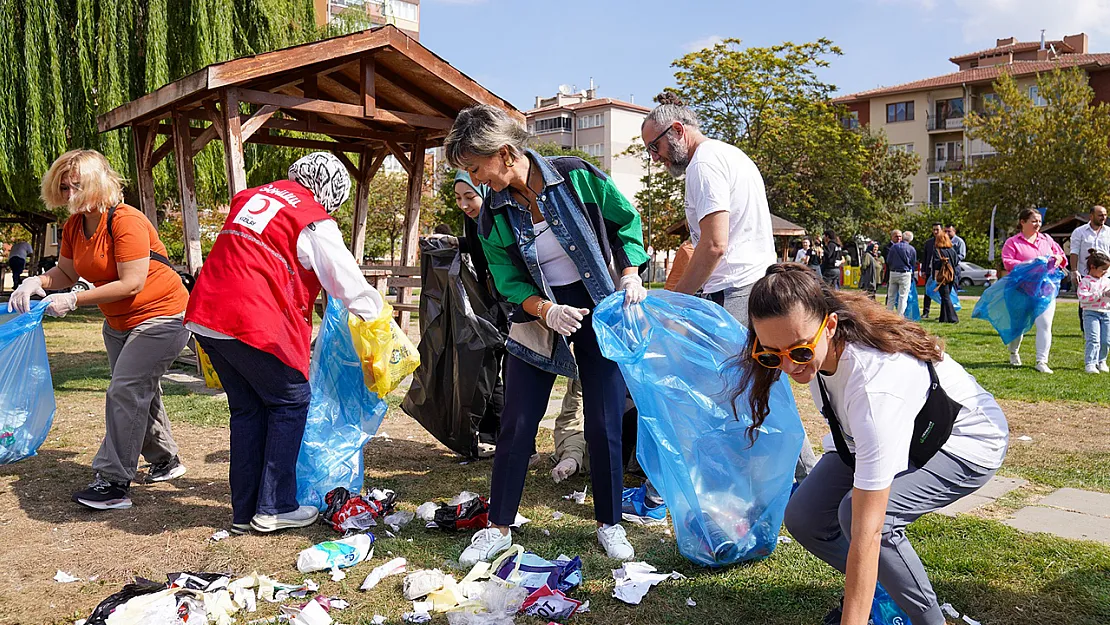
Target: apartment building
[[600, 127], [404, 14], [926, 117]]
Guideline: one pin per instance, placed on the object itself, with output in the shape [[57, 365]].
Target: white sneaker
[[485, 545], [301, 517], [615, 541], [1015, 359], [1103, 368], [1092, 369], [1042, 367]]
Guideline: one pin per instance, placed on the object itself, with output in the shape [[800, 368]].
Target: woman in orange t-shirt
[[143, 301]]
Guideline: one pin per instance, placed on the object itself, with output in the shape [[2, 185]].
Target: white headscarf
[[324, 175]]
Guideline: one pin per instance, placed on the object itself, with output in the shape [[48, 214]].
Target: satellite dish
[[566, 89]]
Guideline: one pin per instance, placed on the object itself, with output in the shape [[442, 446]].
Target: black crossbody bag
[[931, 427], [155, 256]]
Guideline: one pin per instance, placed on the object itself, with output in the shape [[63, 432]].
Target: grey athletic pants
[[134, 419], [819, 516]]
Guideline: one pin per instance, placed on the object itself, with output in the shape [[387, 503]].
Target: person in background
[[869, 270], [960, 246], [802, 255], [17, 261], [1093, 235], [726, 212], [117, 249], [900, 262], [830, 266], [816, 258], [251, 311], [1094, 302], [895, 237], [877, 378], [1026, 245], [943, 270], [551, 231], [928, 255]]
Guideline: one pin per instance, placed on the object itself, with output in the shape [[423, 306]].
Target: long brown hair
[[859, 320], [942, 240]]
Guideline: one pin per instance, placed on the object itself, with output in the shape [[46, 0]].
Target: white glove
[[633, 287], [566, 468], [565, 320], [59, 304], [20, 300]]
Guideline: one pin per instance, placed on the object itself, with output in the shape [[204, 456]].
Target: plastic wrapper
[[342, 415], [387, 354], [335, 554], [459, 350], [932, 292], [726, 495], [1013, 303], [26, 388]]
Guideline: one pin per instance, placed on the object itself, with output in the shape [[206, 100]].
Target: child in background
[[1094, 301]]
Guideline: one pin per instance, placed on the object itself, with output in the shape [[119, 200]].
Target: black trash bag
[[140, 587], [459, 349]]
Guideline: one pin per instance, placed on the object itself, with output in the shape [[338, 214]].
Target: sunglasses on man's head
[[801, 354]]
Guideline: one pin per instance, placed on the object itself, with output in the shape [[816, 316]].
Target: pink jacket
[[1017, 250], [1094, 293]]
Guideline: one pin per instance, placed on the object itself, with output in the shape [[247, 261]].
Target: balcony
[[937, 166], [937, 124]]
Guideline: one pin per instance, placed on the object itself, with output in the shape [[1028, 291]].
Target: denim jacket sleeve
[[622, 220]]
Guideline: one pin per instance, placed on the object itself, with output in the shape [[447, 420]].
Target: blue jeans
[[269, 406], [1096, 332]]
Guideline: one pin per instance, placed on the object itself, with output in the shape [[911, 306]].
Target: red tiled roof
[[1020, 46], [589, 104], [984, 74]]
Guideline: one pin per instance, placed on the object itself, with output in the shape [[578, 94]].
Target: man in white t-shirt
[[1091, 235], [726, 206], [726, 211]]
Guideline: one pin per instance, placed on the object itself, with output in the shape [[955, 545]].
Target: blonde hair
[[100, 186]]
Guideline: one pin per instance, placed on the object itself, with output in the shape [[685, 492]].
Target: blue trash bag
[[1013, 303], [26, 388], [342, 415], [932, 291], [913, 308], [726, 495], [884, 611]]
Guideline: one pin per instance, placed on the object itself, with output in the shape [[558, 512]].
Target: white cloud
[[704, 42]]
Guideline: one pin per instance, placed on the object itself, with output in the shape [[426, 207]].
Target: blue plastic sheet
[[26, 388], [342, 415], [913, 308], [1013, 303], [726, 496], [932, 292]]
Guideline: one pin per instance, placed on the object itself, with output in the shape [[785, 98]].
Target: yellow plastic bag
[[387, 354], [211, 380]]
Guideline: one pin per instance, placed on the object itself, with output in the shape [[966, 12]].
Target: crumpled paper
[[635, 579]]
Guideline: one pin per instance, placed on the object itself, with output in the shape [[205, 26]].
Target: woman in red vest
[[251, 310]]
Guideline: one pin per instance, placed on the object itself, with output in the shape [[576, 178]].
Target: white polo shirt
[[1084, 238]]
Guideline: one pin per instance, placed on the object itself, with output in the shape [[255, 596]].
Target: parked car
[[974, 275]]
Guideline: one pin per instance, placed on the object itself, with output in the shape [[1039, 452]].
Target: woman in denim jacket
[[559, 238]]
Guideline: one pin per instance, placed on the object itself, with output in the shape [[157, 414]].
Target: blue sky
[[523, 48]]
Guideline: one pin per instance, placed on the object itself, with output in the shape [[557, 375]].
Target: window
[[949, 151], [404, 10], [899, 112], [591, 121], [902, 147], [851, 122], [596, 150], [939, 191], [553, 124], [991, 98], [1035, 96]]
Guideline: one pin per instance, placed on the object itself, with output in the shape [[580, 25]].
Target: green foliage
[[660, 200], [771, 103], [1055, 156], [554, 149]]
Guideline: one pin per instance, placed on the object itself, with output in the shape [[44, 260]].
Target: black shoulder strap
[[834, 426], [155, 256]]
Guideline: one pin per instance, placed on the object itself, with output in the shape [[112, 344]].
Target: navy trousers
[[527, 390], [269, 405]]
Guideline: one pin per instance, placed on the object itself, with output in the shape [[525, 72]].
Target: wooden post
[[410, 244], [143, 138], [186, 184], [233, 143], [368, 165], [366, 86]]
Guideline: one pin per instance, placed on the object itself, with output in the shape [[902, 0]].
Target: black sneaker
[[835, 615], [164, 471], [105, 495]]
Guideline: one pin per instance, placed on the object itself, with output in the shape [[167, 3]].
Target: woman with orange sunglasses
[[911, 429]]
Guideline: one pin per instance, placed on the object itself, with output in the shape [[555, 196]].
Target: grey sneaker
[[301, 517], [165, 471]]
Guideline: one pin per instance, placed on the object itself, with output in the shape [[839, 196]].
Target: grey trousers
[[134, 419], [735, 301], [819, 516], [570, 428]]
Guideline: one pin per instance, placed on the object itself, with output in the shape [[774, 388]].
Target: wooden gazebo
[[366, 95]]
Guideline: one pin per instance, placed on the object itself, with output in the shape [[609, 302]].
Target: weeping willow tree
[[63, 62]]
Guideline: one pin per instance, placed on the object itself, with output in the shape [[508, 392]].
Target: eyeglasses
[[653, 146], [802, 353]]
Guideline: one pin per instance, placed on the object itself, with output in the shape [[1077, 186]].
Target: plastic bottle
[[884, 611], [335, 553]]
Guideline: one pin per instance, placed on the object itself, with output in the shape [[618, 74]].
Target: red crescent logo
[[265, 205]]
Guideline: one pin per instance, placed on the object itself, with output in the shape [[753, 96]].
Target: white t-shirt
[[720, 177], [876, 397], [320, 249], [1084, 238]]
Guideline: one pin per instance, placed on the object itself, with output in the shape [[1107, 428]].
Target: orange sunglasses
[[802, 353]]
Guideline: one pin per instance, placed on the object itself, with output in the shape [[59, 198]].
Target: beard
[[679, 158]]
